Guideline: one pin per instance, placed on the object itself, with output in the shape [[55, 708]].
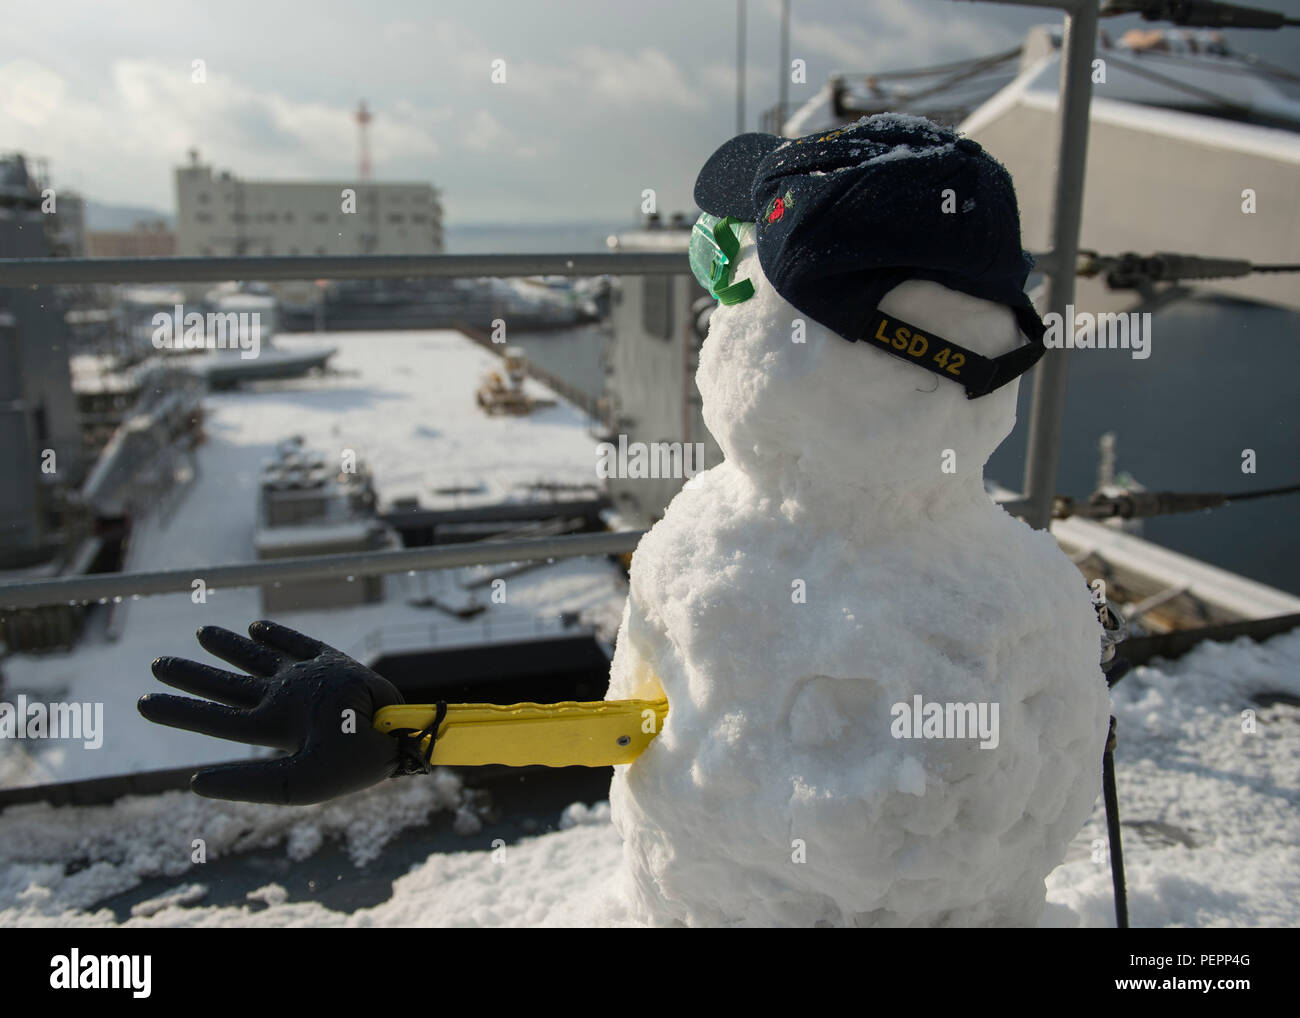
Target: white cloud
[[601, 99], [920, 31], [617, 79], [29, 92], [720, 80], [136, 131], [483, 132]]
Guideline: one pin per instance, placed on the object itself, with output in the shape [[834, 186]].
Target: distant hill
[[530, 238], [100, 216]]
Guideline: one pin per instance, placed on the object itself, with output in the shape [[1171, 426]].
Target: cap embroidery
[[777, 206], [827, 137]]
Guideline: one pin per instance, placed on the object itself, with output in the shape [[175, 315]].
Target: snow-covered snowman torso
[[844, 559]]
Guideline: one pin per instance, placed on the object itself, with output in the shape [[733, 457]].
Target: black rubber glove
[[295, 700]]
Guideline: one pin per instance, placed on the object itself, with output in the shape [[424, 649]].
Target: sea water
[[1221, 380]]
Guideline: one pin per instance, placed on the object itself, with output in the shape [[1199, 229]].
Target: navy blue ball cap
[[843, 216], [723, 187]]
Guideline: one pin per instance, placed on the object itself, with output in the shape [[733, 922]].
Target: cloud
[[133, 133], [587, 76], [720, 80], [600, 100], [29, 93], [923, 32], [483, 132], [631, 81]]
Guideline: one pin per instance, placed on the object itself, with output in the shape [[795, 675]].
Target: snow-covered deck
[[404, 403], [1211, 831]]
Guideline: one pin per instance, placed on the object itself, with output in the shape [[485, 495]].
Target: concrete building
[[145, 240], [220, 214]]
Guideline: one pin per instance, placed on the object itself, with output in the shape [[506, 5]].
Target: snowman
[[848, 688], [886, 706]]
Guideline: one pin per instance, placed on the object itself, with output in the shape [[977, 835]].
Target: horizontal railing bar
[[65, 589], [1069, 6], [56, 271], [65, 271], [94, 587]]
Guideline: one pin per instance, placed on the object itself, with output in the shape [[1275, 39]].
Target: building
[[66, 225], [40, 437], [219, 214], [310, 507], [41, 526], [145, 240], [63, 211], [658, 325]]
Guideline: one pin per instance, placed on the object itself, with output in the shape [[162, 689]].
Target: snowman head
[[873, 320], [793, 404]]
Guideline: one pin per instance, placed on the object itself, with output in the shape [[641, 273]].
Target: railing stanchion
[[1047, 415]]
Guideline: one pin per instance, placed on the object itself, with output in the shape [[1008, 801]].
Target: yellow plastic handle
[[569, 734]]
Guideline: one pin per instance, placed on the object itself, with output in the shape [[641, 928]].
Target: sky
[[601, 100]]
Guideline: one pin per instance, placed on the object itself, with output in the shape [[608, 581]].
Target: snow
[[1219, 841], [1185, 771], [404, 402], [778, 792], [57, 862], [1225, 590], [95, 373], [289, 536], [907, 152], [177, 897]]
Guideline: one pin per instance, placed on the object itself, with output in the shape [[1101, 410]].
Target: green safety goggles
[[714, 251]]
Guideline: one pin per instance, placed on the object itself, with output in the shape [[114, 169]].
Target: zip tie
[[412, 758]]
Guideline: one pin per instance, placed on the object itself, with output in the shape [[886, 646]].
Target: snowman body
[[842, 561]]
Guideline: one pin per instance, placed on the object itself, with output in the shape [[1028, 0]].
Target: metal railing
[[1047, 410], [107, 586], [64, 271], [1046, 415]]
